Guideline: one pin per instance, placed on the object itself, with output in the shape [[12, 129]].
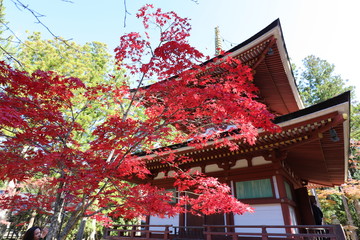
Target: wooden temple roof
[[266, 54], [305, 145]]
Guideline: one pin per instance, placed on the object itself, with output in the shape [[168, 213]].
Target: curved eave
[[273, 74], [323, 161], [266, 54]]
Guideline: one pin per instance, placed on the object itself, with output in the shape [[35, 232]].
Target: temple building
[[274, 175]]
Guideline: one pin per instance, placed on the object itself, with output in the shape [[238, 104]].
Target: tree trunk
[[71, 223], [80, 234], [350, 221], [357, 207], [32, 219], [56, 218], [93, 230]]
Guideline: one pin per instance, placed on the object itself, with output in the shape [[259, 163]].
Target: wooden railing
[[188, 232], [126, 232], [331, 232], [231, 232]]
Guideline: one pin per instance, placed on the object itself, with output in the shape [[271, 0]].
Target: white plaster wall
[[264, 214], [276, 188], [293, 219], [212, 168], [292, 216], [171, 173], [195, 169], [256, 161], [160, 175], [242, 163], [164, 221]]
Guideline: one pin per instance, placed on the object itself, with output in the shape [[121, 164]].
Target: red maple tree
[[39, 128]]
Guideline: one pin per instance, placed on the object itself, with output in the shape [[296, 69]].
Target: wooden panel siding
[[264, 214]]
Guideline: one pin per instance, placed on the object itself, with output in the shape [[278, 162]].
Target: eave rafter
[[271, 41], [253, 56]]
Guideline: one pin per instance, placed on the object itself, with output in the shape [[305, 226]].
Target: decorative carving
[[226, 164], [276, 155]]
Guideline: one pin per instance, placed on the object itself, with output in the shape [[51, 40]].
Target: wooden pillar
[[229, 217], [283, 199], [304, 206], [182, 219]]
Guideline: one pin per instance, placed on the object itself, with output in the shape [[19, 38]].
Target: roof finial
[[218, 47]]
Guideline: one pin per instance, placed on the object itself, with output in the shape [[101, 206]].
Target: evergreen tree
[[318, 82]]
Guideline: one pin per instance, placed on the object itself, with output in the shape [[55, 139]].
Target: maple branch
[[119, 103], [101, 209], [142, 78], [150, 48], [94, 198], [110, 156], [141, 139], [74, 117], [133, 97], [73, 219]]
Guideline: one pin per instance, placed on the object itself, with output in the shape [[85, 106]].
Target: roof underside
[[266, 54], [275, 91]]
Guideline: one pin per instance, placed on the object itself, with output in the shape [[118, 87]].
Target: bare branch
[[126, 13], [10, 56], [37, 16]]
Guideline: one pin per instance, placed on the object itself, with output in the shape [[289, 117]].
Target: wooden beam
[[265, 52]]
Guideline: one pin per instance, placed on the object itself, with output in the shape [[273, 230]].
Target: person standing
[[35, 233], [318, 214]]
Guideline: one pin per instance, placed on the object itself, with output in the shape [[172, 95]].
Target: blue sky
[[325, 28]]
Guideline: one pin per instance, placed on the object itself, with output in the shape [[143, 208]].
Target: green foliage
[[317, 82], [91, 63], [332, 205], [354, 161], [355, 121]]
